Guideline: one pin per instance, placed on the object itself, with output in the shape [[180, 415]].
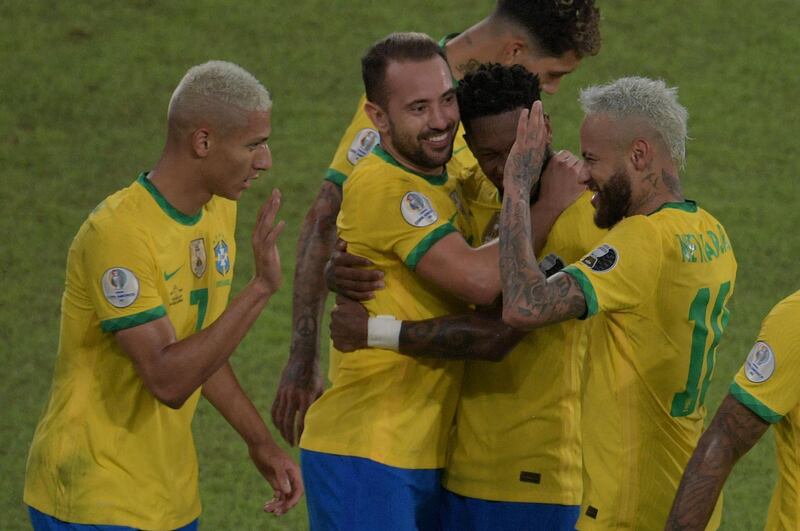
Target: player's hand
[[265, 243], [300, 385], [524, 162], [281, 473], [349, 321], [560, 181], [346, 275]]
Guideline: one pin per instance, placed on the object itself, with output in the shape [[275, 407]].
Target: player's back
[[659, 284]]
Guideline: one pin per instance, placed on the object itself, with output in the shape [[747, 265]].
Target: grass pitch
[[83, 94]]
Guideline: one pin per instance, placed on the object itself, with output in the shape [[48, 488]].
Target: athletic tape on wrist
[[383, 331]]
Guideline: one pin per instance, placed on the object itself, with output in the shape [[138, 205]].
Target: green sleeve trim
[[129, 321], [588, 290], [336, 177], [427, 242], [754, 404]]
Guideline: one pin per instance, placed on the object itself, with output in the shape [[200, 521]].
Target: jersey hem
[[95, 519], [416, 254], [508, 496], [754, 404], [383, 459], [129, 321], [587, 288]]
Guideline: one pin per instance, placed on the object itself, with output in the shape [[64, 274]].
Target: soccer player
[[145, 328], [656, 289], [547, 37], [515, 457], [764, 393]]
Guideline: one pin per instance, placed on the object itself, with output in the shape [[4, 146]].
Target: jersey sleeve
[[622, 271], [401, 216], [121, 276], [767, 382], [358, 141]]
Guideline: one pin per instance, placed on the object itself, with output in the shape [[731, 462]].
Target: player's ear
[[640, 154], [378, 116], [201, 142], [513, 52]]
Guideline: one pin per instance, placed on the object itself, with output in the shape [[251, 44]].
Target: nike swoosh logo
[[459, 150], [168, 276]]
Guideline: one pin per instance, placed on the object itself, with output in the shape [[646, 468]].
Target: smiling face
[[607, 174], [420, 117], [239, 155]]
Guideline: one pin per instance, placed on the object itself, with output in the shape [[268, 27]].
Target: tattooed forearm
[[529, 299], [472, 336], [734, 430], [314, 247]]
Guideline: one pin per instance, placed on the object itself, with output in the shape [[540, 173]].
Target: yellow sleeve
[[401, 215], [121, 276], [358, 141], [767, 383], [622, 271]]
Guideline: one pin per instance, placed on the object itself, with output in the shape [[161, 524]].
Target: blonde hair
[[216, 93], [648, 100]]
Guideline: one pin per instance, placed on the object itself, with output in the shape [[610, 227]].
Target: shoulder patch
[[120, 286], [363, 144], [417, 210], [602, 259], [760, 363]]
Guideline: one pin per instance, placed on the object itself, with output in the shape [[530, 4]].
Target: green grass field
[[83, 94]]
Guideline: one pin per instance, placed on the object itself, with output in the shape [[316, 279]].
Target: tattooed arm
[[301, 381], [479, 335], [530, 300], [734, 430]]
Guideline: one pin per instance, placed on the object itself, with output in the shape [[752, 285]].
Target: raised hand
[[265, 243], [524, 162]]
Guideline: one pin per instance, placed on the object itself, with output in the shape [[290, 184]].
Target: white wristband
[[383, 331]]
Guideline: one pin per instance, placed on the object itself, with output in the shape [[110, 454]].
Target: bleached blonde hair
[[645, 99], [217, 93]]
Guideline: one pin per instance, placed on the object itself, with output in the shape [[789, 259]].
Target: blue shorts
[[45, 522], [345, 493], [460, 513]]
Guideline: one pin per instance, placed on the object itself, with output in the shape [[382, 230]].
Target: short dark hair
[[557, 26], [494, 89], [408, 46]]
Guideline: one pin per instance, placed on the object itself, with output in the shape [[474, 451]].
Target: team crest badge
[[363, 144], [221, 259], [417, 210], [197, 256], [602, 259], [760, 363], [120, 287]]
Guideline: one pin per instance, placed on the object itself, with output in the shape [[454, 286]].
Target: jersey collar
[[687, 206], [168, 209], [437, 180]]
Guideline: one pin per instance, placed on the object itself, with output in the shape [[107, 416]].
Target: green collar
[[686, 205], [168, 209], [436, 180]]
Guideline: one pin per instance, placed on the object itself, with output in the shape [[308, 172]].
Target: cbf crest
[[221, 258], [197, 256]]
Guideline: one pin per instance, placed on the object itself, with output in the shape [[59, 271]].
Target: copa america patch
[[363, 144], [417, 210], [760, 363], [602, 259], [120, 286]]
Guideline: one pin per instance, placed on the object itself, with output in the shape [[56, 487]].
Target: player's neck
[[476, 45], [178, 186], [663, 186]]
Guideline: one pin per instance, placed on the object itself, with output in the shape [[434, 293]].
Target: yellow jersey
[[659, 285], [106, 451], [767, 384], [517, 436], [393, 409]]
